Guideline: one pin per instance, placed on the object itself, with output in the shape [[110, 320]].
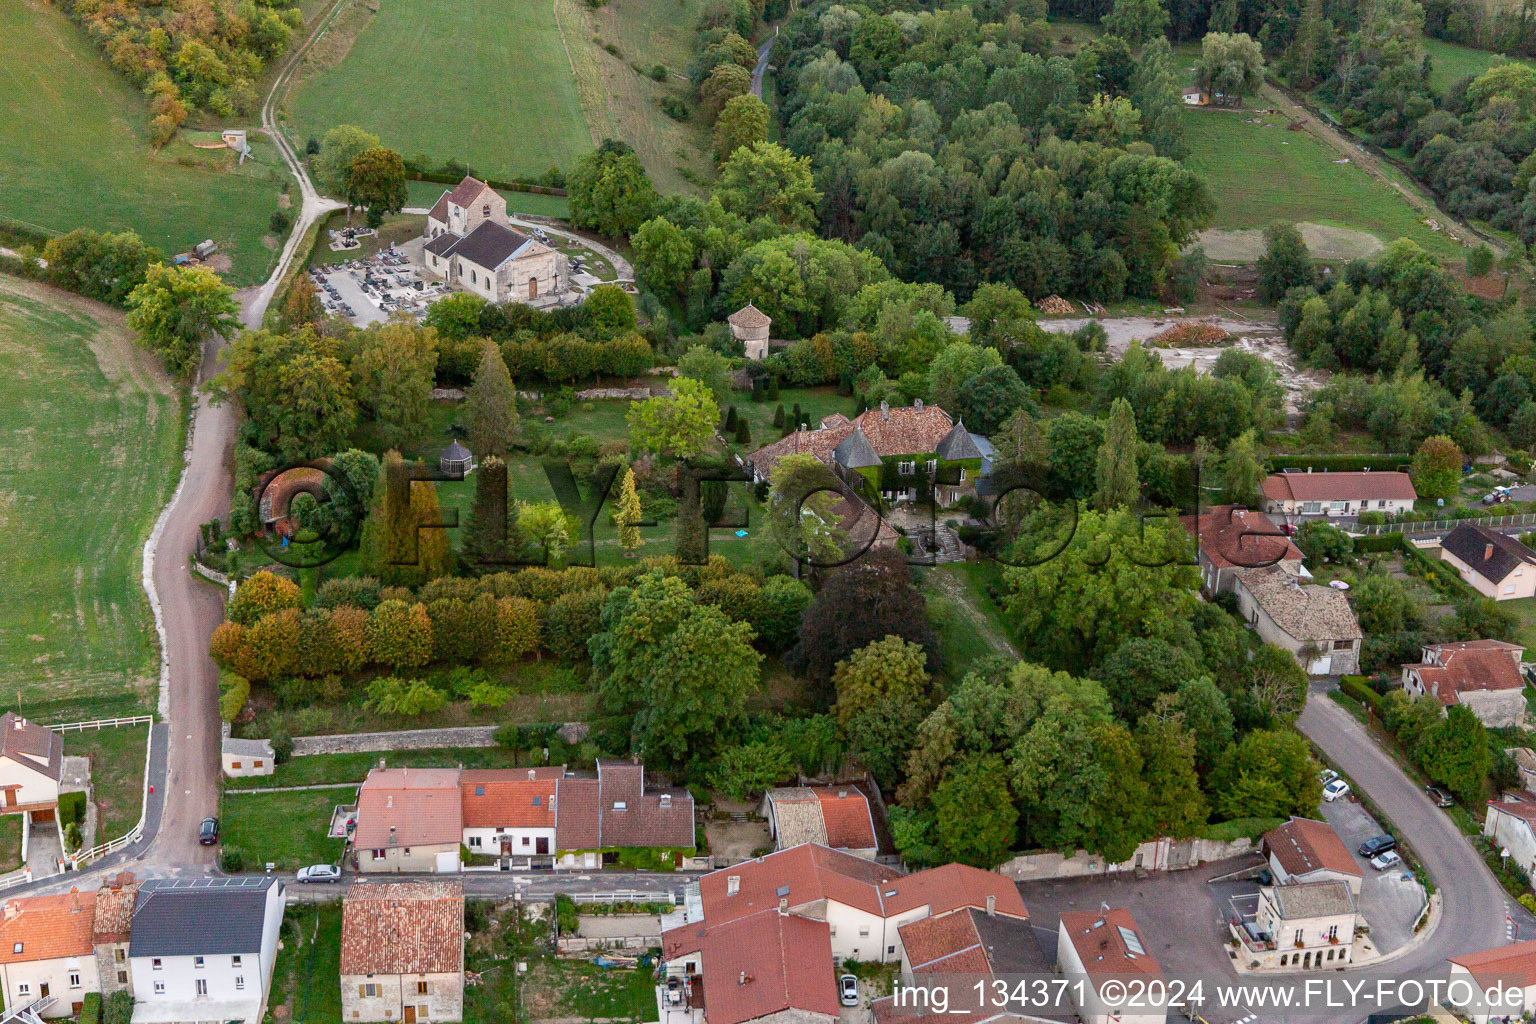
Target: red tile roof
[[46, 927], [1365, 486], [1525, 810], [935, 938], [904, 430], [403, 928], [850, 825], [954, 886], [631, 815], [1513, 965], [1468, 666], [1101, 946], [467, 191], [1230, 536], [510, 797], [114, 907], [577, 815], [760, 964], [409, 807], [1303, 845]]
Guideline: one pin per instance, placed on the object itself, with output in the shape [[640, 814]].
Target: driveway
[[1389, 900]]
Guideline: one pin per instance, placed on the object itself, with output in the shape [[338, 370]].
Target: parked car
[[1335, 789], [1382, 861], [674, 991], [1380, 844], [208, 832], [1439, 796], [848, 990], [319, 873], [1329, 775]]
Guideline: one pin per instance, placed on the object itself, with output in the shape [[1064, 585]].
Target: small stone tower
[[750, 325]]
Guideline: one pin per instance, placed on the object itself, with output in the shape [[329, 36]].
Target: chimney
[[381, 763], [666, 799], [783, 906], [917, 403], [991, 906], [531, 774], [743, 979], [732, 884], [842, 793], [885, 410], [1487, 551], [12, 910], [74, 900]]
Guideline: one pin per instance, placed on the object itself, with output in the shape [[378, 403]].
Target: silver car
[[320, 873]]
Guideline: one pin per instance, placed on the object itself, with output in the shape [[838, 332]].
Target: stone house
[[1314, 623], [1229, 538], [402, 952], [1494, 565], [1294, 493], [597, 818], [1311, 924], [1099, 946], [115, 901], [835, 816], [1482, 676], [1304, 850], [409, 819], [471, 244]]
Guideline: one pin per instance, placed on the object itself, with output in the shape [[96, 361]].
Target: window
[[889, 950], [24, 990], [1381, 504], [1509, 589], [122, 977], [239, 983], [235, 765], [258, 764], [933, 465], [156, 964], [421, 988], [474, 841], [197, 962], [234, 961], [905, 468], [378, 854], [619, 805], [485, 211], [202, 986], [159, 988], [479, 791], [74, 979], [406, 852], [368, 991], [525, 840], [119, 955], [863, 929]]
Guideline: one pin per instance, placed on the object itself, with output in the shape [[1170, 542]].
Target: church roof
[[467, 191], [443, 244], [855, 451], [439, 211], [490, 245], [958, 444]]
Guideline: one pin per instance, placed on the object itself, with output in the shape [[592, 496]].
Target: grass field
[[425, 193], [84, 412], [117, 774], [1260, 173], [622, 102], [285, 828], [1449, 63], [304, 984], [486, 83], [73, 152]]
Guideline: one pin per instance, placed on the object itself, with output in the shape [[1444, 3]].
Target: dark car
[[1381, 844], [208, 833], [1439, 796]]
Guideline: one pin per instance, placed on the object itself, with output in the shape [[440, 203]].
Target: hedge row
[[1359, 688], [1339, 463], [1378, 542], [1437, 574], [510, 186]]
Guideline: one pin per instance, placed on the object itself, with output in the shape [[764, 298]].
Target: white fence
[[1443, 525], [104, 723]]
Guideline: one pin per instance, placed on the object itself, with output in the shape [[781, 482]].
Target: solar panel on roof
[[1132, 940]]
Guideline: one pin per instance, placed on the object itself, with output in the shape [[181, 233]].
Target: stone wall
[[410, 739], [1156, 855]]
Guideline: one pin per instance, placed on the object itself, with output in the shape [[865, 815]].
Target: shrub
[[263, 593], [234, 691], [232, 859], [118, 1009], [282, 747], [1359, 687], [566, 920], [90, 1008]]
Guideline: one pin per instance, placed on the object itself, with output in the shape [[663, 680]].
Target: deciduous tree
[[175, 309]]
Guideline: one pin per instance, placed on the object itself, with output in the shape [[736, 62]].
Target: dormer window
[[538, 801], [479, 791], [16, 948]]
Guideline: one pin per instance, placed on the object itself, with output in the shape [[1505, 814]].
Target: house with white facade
[[48, 952], [1482, 676], [1494, 565], [240, 758], [1305, 493], [1494, 975], [1511, 822], [202, 949], [1311, 925], [31, 764], [835, 816], [1305, 850], [510, 813], [409, 819], [471, 244], [761, 938], [402, 952], [1101, 946]]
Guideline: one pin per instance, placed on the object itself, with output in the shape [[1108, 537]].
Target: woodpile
[[1055, 305], [1188, 335]]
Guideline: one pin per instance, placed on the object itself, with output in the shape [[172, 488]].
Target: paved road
[[763, 50], [1473, 917]]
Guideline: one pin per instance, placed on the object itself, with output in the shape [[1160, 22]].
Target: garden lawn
[[1449, 63], [74, 152], [304, 979], [10, 842], [83, 412], [285, 828], [1524, 611], [117, 774], [487, 84], [576, 988], [1261, 173]]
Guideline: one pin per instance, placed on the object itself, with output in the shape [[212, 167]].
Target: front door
[[542, 845], [533, 287], [410, 1015], [10, 797], [42, 991]]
